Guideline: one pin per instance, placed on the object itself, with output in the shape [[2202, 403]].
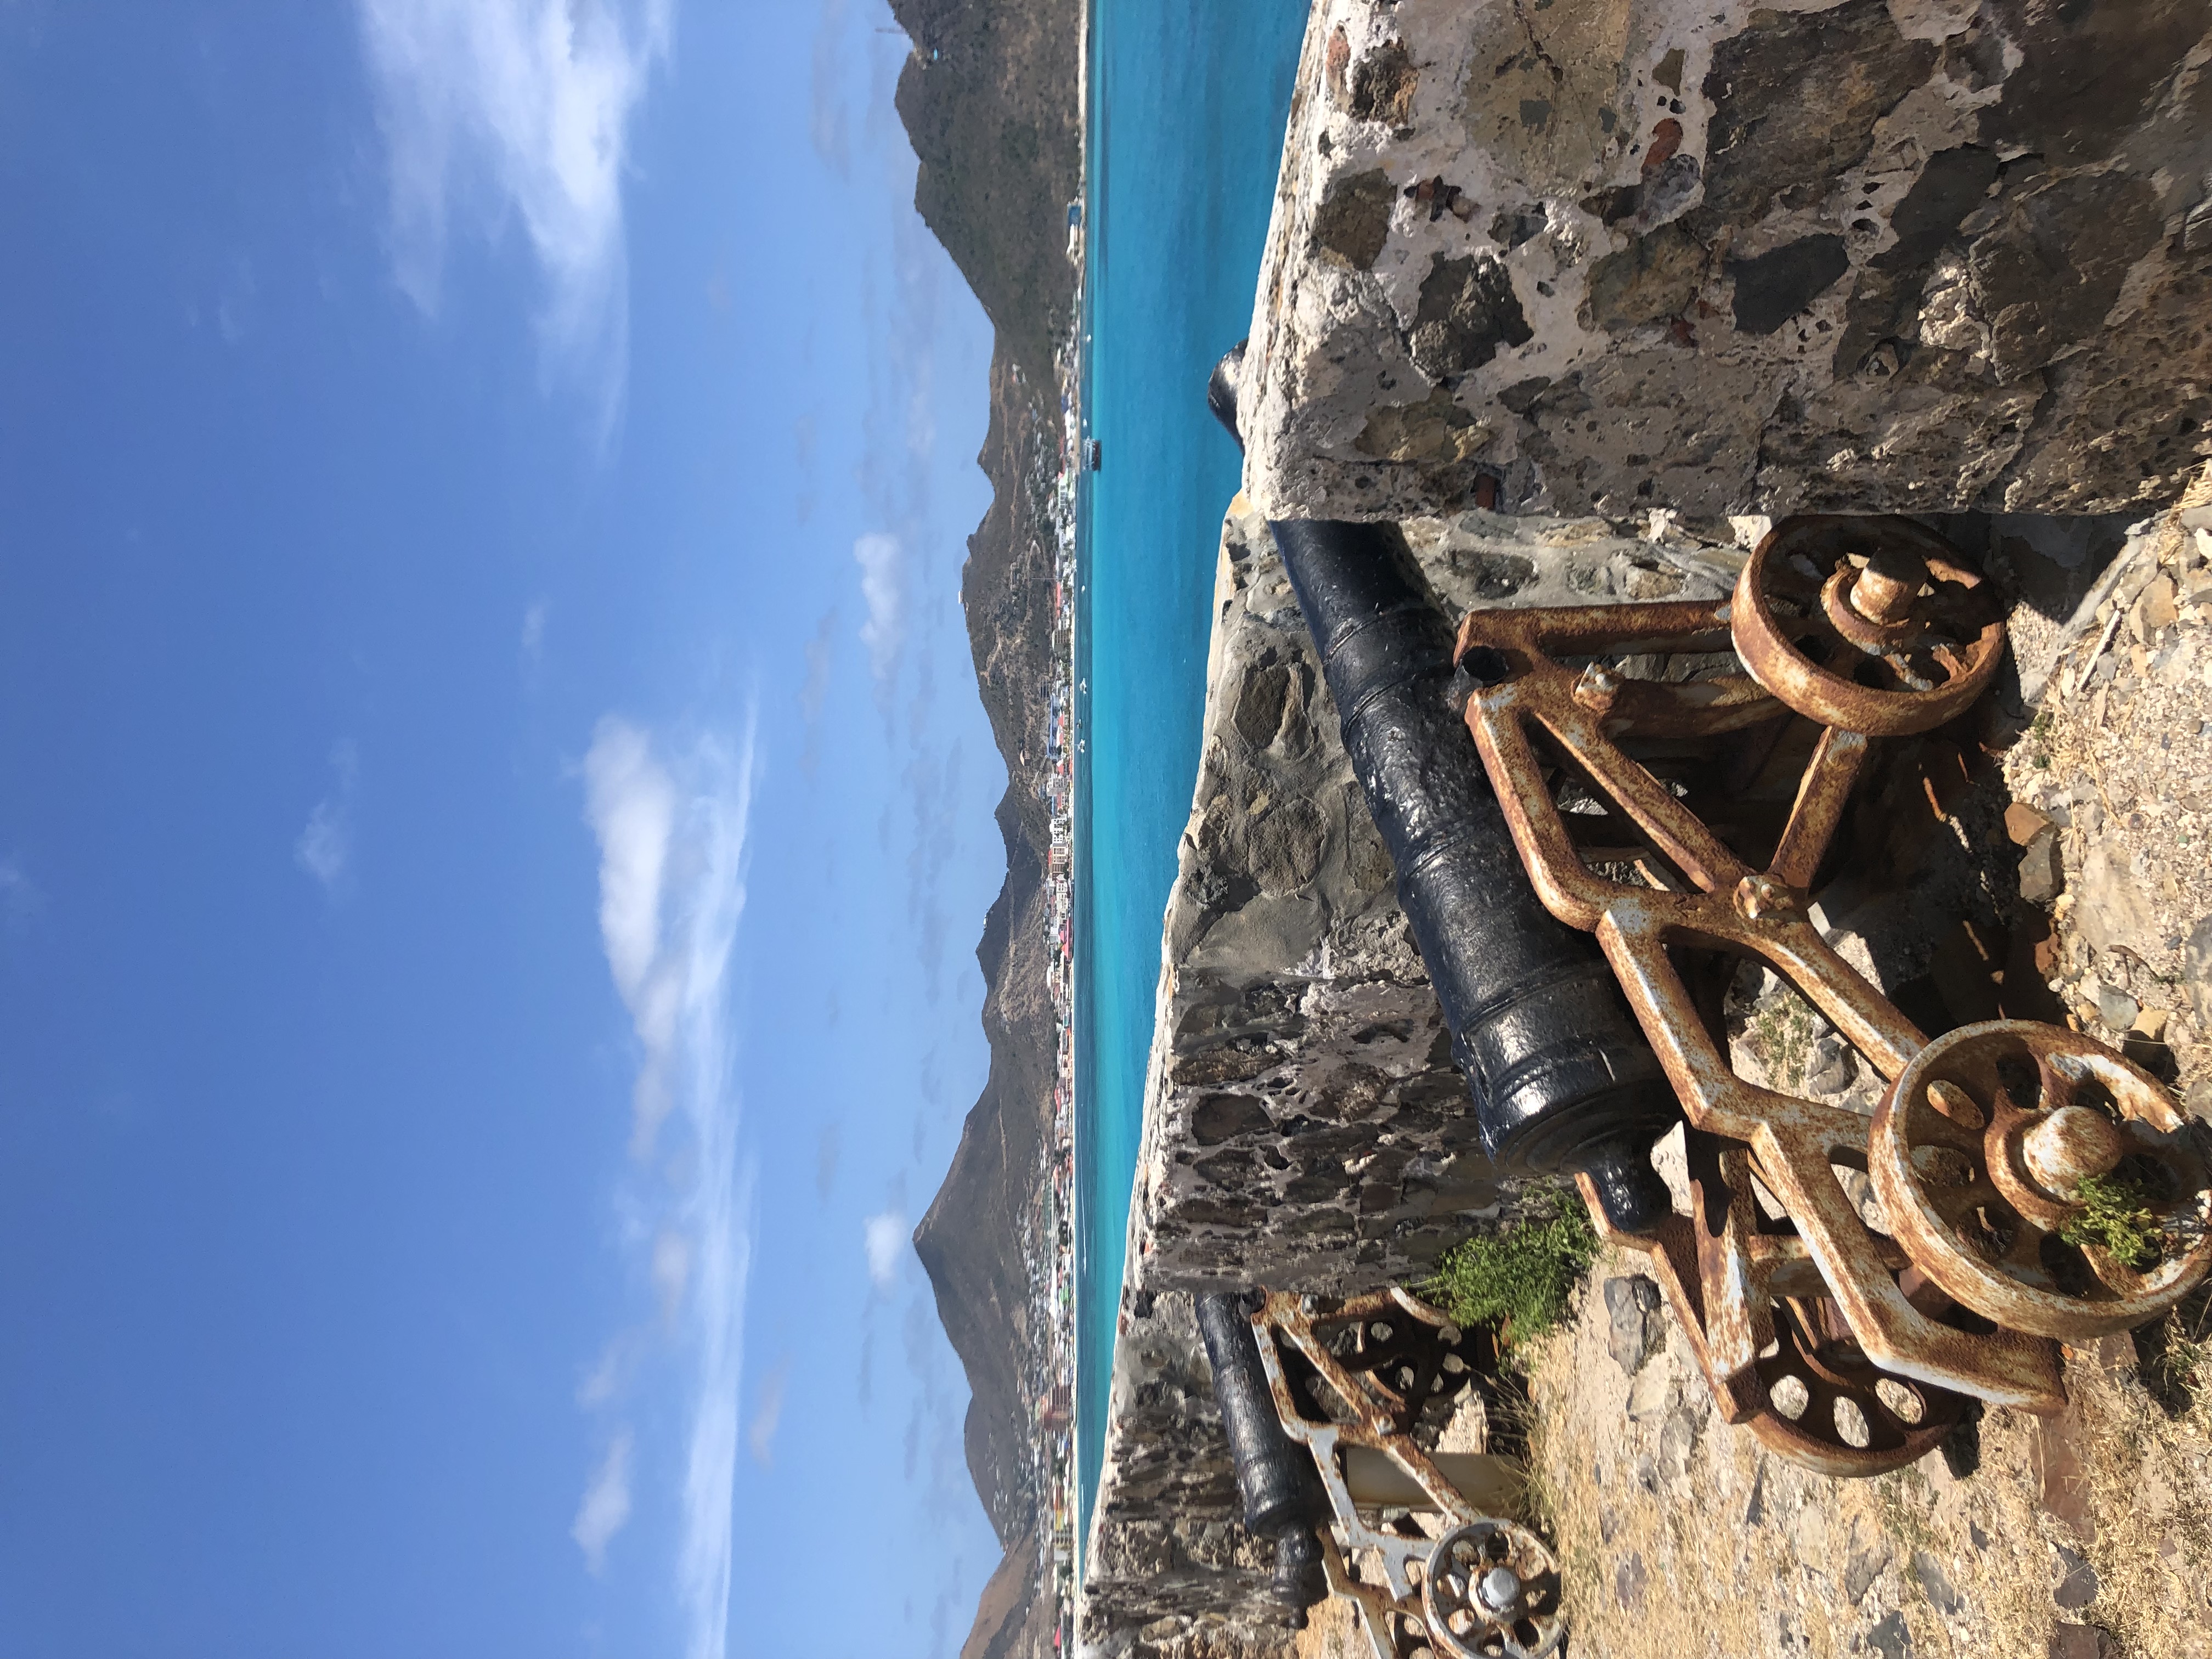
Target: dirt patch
[[1680, 1535]]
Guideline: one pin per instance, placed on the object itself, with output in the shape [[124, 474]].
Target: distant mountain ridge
[[990, 100]]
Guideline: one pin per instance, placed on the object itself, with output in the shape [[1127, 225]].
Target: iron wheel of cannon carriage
[[1985, 1152]]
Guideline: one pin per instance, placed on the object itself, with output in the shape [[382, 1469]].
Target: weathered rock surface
[[1908, 255], [1304, 1126], [2115, 764], [1634, 1322], [1662, 1519]]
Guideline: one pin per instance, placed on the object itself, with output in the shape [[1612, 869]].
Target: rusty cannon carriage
[[1670, 779], [1847, 1339]]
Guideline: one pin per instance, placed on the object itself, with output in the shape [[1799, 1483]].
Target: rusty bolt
[[2071, 1145], [1886, 589], [1762, 898], [1499, 1591], [1597, 689]]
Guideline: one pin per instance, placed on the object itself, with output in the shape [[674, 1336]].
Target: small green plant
[[1782, 1033], [1519, 1280], [2115, 1218]]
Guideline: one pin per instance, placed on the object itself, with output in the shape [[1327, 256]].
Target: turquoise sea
[[1189, 102]]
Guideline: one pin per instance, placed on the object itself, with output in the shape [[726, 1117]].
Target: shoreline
[[1070, 1494], [1055, 1298], [1181, 223]]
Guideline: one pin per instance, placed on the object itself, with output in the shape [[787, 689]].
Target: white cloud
[[325, 849], [604, 1379], [325, 845], [710, 1470], [506, 108], [605, 1507], [533, 632], [885, 1237], [672, 834], [630, 799], [672, 1272], [768, 1413], [882, 585]]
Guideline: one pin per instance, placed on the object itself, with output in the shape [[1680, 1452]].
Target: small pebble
[[2023, 823], [2115, 1006], [2042, 871], [2154, 610], [2077, 1580], [2197, 1102], [1829, 1069]]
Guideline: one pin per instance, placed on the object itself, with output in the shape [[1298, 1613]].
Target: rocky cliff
[[989, 97]]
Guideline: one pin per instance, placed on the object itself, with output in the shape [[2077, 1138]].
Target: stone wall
[[1304, 1126], [1904, 255], [1169, 1569]]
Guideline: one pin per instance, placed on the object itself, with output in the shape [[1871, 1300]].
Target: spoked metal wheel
[[1871, 624], [1828, 1409], [1491, 1590], [2042, 1181]]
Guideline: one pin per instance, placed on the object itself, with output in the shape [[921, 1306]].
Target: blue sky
[[495, 819]]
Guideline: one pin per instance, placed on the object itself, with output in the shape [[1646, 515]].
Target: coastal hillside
[[990, 100]]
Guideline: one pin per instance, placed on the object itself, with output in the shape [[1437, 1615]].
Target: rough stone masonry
[[1303, 1123], [1615, 255]]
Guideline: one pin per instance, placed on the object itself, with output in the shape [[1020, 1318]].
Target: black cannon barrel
[[1562, 1079], [1273, 1475]]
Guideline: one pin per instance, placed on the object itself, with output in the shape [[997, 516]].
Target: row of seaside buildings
[[1049, 1244]]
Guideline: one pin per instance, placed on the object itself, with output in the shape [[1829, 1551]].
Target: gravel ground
[[2086, 1536], [2113, 771]]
